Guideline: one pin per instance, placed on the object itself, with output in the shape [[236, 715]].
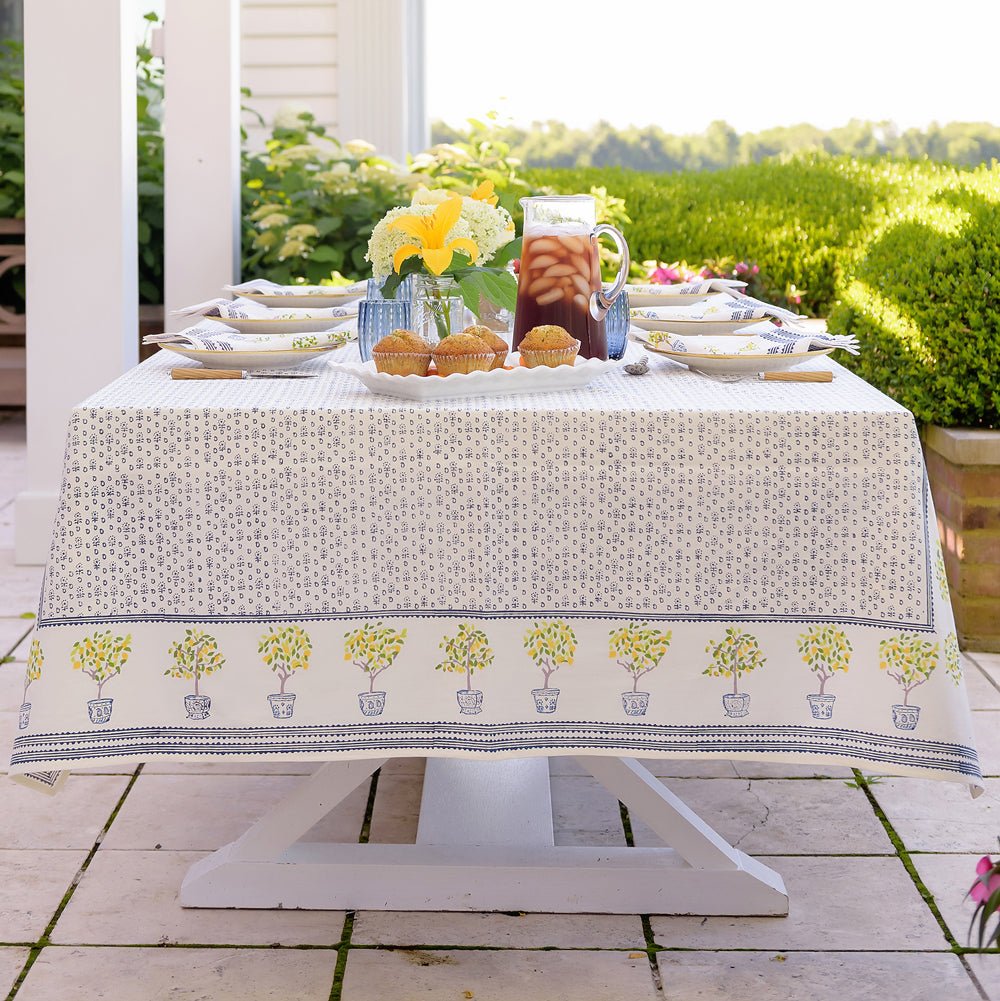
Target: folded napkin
[[244, 309], [687, 288], [265, 287], [211, 335], [729, 305], [764, 338]]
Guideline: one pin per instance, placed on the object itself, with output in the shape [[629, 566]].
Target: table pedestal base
[[485, 843]]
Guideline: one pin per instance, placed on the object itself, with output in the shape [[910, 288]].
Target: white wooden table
[[485, 843]]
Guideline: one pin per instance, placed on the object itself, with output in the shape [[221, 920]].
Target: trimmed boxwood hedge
[[905, 255], [923, 298]]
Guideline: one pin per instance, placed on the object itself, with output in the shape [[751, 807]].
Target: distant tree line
[[553, 144]]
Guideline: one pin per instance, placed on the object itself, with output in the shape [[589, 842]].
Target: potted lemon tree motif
[[101, 656], [285, 651], [373, 648], [952, 658], [825, 650], [550, 645], [638, 649], [195, 656], [736, 654], [464, 653], [31, 673], [909, 661]]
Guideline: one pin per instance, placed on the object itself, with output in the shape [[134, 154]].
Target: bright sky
[[754, 63]]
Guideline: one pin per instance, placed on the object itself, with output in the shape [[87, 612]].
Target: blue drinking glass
[[403, 294], [616, 323], [378, 317]]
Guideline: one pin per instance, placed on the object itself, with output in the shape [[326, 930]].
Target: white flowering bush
[[310, 204], [489, 227]]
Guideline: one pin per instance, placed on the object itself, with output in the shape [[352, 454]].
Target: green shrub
[[149, 138], [923, 298], [798, 219], [310, 204]]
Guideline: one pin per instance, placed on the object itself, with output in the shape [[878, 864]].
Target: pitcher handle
[[601, 302]]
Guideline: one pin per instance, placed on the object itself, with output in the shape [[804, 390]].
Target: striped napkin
[[763, 338], [244, 309], [265, 287], [686, 288], [211, 335], [731, 305]]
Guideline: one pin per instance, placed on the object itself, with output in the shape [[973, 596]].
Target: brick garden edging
[[963, 466]]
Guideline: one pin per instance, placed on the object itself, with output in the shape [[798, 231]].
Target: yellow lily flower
[[432, 232], [484, 193]]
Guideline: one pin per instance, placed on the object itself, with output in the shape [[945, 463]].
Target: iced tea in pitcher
[[560, 275]]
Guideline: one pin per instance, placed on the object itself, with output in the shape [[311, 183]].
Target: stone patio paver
[[205, 812], [510, 931], [379, 975], [781, 770], [19, 586], [250, 767], [131, 898], [949, 877], [32, 884], [813, 976], [941, 816], [12, 630], [835, 904], [89, 974], [808, 817], [983, 693], [585, 813], [73, 819], [397, 805], [12, 961], [986, 967], [986, 725]]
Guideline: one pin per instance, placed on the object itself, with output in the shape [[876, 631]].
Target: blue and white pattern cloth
[[661, 566], [764, 338], [730, 304]]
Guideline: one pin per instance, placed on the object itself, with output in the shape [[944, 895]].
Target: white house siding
[[289, 57]]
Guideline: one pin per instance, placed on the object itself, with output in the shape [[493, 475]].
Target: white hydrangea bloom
[[491, 227], [385, 242], [488, 227]]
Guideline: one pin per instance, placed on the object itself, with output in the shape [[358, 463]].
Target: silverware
[[235, 373], [771, 377]]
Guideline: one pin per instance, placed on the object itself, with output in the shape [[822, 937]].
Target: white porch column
[[380, 74], [80, 209], [201, 151]]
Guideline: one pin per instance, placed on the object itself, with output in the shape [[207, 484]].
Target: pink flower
[[982, 889], [741, 268], [664, 276], [755, 270]]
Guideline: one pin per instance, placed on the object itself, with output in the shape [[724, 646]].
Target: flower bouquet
[[457, 247]]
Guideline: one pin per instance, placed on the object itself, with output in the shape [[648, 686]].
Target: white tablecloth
[[600, 560]]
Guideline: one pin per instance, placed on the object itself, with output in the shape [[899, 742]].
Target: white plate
[[702, 328], [498, 382], [269, 326], [251, 361], [738, 364], [318, 301]]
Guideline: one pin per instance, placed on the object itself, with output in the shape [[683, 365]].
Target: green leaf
[[506, 254]]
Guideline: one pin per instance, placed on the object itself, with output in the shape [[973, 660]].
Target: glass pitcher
[[560, 277]]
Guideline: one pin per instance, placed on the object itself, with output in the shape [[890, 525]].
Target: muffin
[[402, 353], [548, 345], [493, 341], [462, 353]]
